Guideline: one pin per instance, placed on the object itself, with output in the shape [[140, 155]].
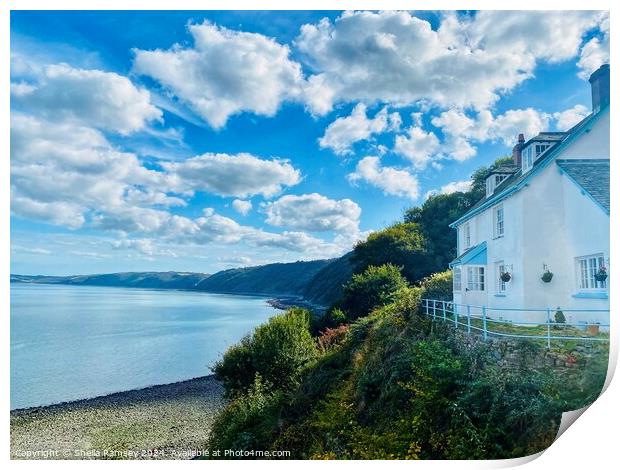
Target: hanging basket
[[505, 277], [601, 275], [547, 276]]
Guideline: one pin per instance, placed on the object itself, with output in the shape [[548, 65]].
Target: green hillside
[[325, 288], [271, 279]]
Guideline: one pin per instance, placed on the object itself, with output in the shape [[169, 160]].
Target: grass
[[537, 331]]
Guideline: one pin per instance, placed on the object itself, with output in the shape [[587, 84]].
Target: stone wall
[[514, 352]]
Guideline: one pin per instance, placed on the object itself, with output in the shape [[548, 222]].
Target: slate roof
[[510, 183], [591, 175]]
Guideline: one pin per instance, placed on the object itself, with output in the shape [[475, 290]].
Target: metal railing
[[478, 319]]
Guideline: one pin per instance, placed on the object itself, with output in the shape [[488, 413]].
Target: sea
[[74, 342]]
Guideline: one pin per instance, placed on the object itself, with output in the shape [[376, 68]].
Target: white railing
[[476, 318]]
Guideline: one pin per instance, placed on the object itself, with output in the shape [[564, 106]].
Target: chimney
[[600, 88], [516, 151]]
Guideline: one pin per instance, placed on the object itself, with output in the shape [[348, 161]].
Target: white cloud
[[145, 246], [239, 175], [242, 207], [460, 130], [452, 187], [418, 146], [61, 172], [212, 227], [314, 212], [226, 72], [345, 131], [392, 181], [569, 117], [92, 98], [396, 58], [596, 51]]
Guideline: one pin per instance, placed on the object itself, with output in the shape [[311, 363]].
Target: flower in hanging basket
[[547, 276], [505, 277], [601, 274]]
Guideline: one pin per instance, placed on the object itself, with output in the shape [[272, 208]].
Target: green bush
[[438, 286], [375, 287], [249, 421], [278, 351]]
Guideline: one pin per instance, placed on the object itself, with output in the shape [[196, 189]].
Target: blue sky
[[199, 141]]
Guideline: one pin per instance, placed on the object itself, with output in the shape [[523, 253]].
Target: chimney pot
[[599, 82]]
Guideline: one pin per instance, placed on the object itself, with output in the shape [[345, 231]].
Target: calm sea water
[[71, 342]]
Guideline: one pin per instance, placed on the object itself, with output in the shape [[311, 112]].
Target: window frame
[[500, 286], [479, 278], [467, 236], [455, 270], [585, 270], [496, 222]]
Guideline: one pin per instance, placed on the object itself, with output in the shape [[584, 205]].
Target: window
[[490, 186], [541, 148], [587, 267], [467, 236], [475, 278], [527, 158], [498, 221], [456, 278], [501, 285]]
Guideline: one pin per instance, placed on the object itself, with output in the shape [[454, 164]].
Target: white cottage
[[547, 212]]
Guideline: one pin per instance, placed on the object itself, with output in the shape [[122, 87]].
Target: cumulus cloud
[[417, 146], [314, 212], [226, 72], [213, 227], [595, 52], [60, 172], [569, 117], [145, 246], [449, 188], [242, 207], [392, 181], [345, 131], [239, 175], [461, 129], [90, 98], [394, 57], [69, 175]]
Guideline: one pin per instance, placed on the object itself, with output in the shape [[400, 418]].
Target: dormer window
[[493, 181], [527, 158]]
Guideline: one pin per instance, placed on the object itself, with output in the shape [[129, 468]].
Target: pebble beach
[[160, 422]]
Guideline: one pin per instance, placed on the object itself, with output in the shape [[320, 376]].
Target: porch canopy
[[475, 255]]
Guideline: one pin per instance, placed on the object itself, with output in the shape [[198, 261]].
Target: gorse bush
[[278, 351], [373, 288]]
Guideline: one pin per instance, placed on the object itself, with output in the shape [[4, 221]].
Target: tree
[[402, 244], [375, 287], [433, 219], [278, 351]]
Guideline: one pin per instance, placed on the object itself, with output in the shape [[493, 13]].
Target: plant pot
[[600, 277], [505, 277], [547, 276], [593, 329]]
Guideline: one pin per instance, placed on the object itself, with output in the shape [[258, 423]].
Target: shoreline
[[168, 421]]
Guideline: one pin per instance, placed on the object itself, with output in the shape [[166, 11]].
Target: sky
[[202, 141]]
